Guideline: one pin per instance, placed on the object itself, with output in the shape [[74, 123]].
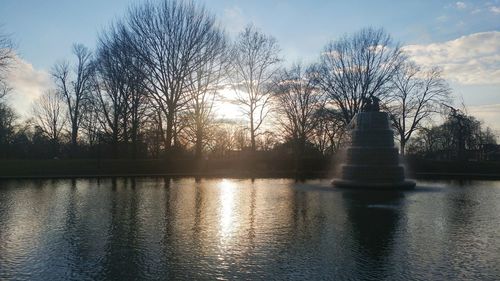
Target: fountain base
[[405, 184]]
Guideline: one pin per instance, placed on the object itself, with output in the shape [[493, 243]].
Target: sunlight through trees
[[160, 75]]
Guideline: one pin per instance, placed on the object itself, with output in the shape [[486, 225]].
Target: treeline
[[460, 137], [154, 83]]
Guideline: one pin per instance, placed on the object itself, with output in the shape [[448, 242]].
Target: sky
[[463, 37]]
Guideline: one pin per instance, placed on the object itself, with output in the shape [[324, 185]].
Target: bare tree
[[4, 91], [267, 140], [460, 137], [357, 66], [6, 52], [7, 113], [154, 132], [417, 94], [49, 115], [203, 87], [7, 122], [119, 88], [224, 142], [329, 134], [90, 128], [8, 118], [110, 88], [255, 60], [229, 136], [74, 85], [172, 40], [138, 105], [297, 100]]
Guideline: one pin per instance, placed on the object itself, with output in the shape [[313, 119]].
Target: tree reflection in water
[[183, 228]]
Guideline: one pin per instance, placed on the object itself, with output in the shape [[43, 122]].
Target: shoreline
[[229, 168], [245, 175]]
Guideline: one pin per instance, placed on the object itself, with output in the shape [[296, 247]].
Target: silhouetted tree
[[7, 114], [454, 139], [111, 91], [139, 107], [228, 135], [119, 89], [224, 142], [267, 140], [49, 114], [74, 85], [329, 133], [357, 66], [203, 87], [6, 54], [4, 91], [418, 93], [463, 131], [154, 131], [255, 60], [428, 142], [7, 127], [296, 100], [90, 127], [172, 40]]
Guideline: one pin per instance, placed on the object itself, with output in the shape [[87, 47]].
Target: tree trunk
[[300, 147], [55, 147], [252, 133], [115, 144], [402, 143], [170, 132], [134, 140], [74, 138], [199, 144]]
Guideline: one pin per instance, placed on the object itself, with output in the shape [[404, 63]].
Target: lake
[[185, 229]]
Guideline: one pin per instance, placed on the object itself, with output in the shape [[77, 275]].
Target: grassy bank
[[417, 168], [154, 167], [435, 169]]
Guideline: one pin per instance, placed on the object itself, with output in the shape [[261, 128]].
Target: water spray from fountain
[[372, 160]]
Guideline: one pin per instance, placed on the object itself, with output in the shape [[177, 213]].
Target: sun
[[224, 108]]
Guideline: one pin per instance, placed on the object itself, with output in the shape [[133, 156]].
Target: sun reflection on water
[[239, 229], [226, 211]]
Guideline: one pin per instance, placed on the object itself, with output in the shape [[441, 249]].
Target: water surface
[[156, 228]]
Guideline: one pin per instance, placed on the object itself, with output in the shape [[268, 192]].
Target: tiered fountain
[[372, 160]]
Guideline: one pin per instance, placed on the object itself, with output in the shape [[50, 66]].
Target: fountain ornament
[[372, 160]]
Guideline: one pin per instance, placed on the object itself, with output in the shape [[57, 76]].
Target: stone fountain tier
[[372, 160]]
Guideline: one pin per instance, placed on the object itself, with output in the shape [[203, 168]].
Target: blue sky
[[463, 36], [45, 30]]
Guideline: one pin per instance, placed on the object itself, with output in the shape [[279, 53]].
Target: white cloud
[[27, 83], [470, 60], [495, 10], [475, 11], [442, 18], [460, 5]]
